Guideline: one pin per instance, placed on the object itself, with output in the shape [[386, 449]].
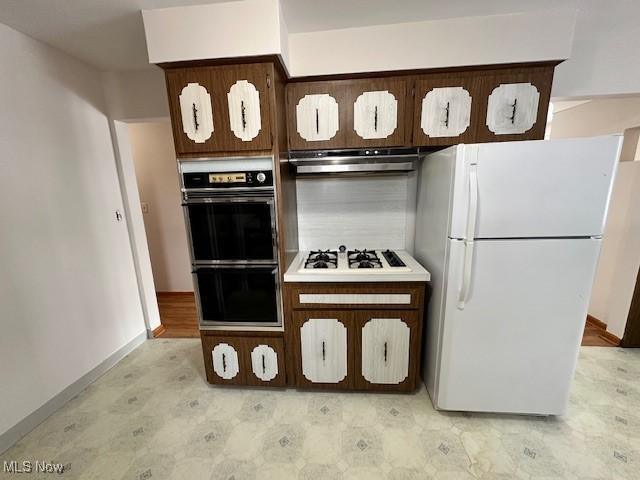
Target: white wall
[[599, 39], [220, 30], [68, 295], [434, 44], [605, 58], [136, 94], [620, 256], [359, 212], [158, 185]]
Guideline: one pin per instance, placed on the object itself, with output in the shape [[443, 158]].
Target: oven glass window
[[238, 295], [231, 231]]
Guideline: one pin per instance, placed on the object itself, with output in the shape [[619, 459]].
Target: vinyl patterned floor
[[154, 417]]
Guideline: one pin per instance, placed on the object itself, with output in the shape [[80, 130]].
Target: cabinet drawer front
[[343, 295], [355, 298], [385, 350]]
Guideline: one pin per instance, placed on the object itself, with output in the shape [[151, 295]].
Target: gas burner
[[322, 259], [363, 259]]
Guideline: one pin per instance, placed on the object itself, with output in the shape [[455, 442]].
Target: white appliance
[[511, 234]]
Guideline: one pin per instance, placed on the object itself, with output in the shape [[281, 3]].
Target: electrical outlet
[[145, 207]]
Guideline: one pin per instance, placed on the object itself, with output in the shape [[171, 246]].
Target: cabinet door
[[316, 115], [387, 350], [512, 108], [376, 112], [445, 110], [322, 349], [265, 355], [513, 104], [225, 110], [223, 359]]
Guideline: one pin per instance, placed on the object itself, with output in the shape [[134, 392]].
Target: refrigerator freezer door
[[545, 188], [514, 345]]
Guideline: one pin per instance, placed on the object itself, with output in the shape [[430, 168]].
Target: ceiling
[[109, 34]]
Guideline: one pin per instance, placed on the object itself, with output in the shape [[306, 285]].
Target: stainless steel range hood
[[367, 161]]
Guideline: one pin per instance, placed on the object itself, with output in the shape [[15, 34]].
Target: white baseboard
[[31, 421]]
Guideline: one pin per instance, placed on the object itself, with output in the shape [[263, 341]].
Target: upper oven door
[[232, 229]]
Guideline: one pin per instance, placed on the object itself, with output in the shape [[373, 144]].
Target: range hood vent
[[344, 162]]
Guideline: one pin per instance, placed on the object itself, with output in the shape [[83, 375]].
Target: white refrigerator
[[511, 234]]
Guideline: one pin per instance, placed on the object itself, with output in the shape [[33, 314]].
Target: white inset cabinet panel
[[197, 112], [512, 108], [375, 114], [317, 117], [264, 362], [225, 361], [323, 343], [244, 110], [385, 350], [446, 112]]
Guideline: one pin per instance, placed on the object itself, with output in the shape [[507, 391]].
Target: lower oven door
[[238, 295]]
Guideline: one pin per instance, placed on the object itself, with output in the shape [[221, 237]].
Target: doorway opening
[[157, 227]]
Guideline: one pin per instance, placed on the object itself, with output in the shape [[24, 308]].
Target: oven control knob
[[261, 177]]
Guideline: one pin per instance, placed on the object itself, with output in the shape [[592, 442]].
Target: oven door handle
[[222, 199], [239, 266]]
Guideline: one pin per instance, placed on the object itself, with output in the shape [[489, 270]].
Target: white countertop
[[412, 272]]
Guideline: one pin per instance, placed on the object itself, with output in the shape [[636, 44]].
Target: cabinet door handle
[[385, 352], [446, 117], [324, 353], [243, 115], [264, 366], [375, 119], [514, 105], [317, 122], [224, 363], [195, 117]]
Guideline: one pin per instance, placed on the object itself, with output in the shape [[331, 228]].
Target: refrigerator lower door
[[512, 346]]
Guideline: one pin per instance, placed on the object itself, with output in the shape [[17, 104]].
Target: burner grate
[[322, 259], [363, 259]]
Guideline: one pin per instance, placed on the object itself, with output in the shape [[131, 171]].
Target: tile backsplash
[[359, 212]]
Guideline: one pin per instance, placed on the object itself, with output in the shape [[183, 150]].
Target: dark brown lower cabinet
[[244, 360], [387, 350], [321, 349], [355, 346]]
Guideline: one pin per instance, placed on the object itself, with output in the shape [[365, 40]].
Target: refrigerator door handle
[[472, 215], [472, 212]]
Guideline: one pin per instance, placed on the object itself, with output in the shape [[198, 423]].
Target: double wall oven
[[230, 215]]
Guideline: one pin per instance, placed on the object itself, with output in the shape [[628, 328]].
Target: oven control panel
[[228, 179]]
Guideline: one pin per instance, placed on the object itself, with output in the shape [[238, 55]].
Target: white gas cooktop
[[355, 266]]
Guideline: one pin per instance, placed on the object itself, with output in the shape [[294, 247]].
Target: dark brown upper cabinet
[[513, 103], [445, 109], [220, 108], [376, 111], [317, 115], [347, 113]]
